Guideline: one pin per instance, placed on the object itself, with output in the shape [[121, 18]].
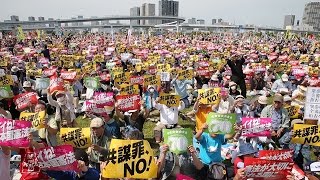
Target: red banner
[[59, 158], [22, 101], [56, 84], [261, 169], [128, 102], [68, 76], [203, 71], [136, 80], [280, 155], [49, 72]]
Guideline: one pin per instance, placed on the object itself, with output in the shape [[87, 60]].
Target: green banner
[[221, 123], [6, 92], [178, 139], [92, 82]]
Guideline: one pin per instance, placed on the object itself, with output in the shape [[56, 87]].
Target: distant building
[[41, 19], [31, 18], [168, 8], [80, 23], [135, 11], [220, 20], [147, 10], [201, 21], [51, 24], [288, 21], [74, 23], [14, 18], [95, 23], [214, 21], [192, 21], [311, 15]]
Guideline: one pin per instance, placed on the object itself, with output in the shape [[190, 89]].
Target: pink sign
[[14, 133], [68, 75], [102, 103], [49, 72], [253, 127], [59, 158], [22, 101]]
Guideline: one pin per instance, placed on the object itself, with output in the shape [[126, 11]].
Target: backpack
[[217, 171]]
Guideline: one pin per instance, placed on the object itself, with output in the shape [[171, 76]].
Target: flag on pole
[[20, 34]]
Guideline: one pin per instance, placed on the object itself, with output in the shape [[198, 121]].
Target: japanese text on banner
[[254, 127], [312, 104], [169, 100], [178, 139], [128, 102], [77, 137], [126, 89], [221, 123], [209, 96], [14, 133], [130, 158], [37, 119], [306, 134], [59, 158], [263, 169]]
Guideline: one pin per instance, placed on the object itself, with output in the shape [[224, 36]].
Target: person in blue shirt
[[180, 87], [209, 146], [85, 172]]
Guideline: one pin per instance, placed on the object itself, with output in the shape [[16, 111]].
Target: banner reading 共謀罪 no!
[[306, 134], [130, 159]]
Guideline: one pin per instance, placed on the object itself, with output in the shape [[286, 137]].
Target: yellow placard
[[37, 119], [116, 70], [32, 72], [121, 78], [30, 65], [99, 58], [209, 96], [169, 100], [68, 64], [130, 159], [293, 111], [151, 80], [160, 67], [77, 137], [185, 74], [6, 80], [3, 63], [306, 134], [126, 89]]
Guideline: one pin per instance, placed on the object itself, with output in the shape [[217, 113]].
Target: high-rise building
[[214, 21], [311, 15], [41, 19], [220, 20], [147, 10], [192, 21], [135, 11], [31, 18], [288, 21], [168, 8], [201, 21], [14, 18]]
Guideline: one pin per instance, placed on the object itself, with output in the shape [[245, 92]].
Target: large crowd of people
[[254, 75]]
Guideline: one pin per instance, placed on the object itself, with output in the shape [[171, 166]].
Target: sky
[[258, 12]]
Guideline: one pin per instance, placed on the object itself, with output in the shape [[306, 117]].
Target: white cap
[[285, 77], [27, 84]]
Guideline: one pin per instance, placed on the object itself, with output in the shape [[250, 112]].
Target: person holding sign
[[180, 87], [85, 172], [65, 115], [279, 116], [168, 118], [99, 149], [240, 109]]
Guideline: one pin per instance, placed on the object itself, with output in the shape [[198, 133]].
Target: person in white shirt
[[225, 104], [168, 118]]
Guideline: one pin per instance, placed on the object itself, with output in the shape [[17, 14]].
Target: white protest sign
[[42, 83], [312, 105], [165, 76]]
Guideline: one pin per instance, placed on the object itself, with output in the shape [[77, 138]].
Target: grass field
[[147, 129]]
